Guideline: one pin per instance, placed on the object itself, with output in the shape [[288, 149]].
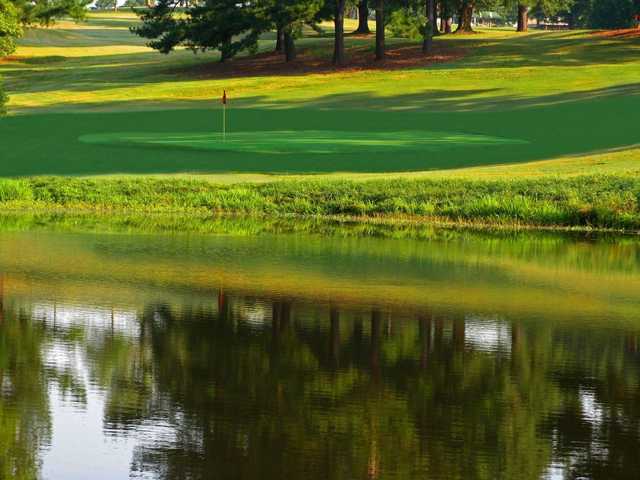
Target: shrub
[[407, 24]]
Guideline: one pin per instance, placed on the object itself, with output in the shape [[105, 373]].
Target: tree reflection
[[24, 416], [284, 401], [315, 391]]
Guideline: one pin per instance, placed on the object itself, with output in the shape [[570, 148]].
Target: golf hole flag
[[224, 115]]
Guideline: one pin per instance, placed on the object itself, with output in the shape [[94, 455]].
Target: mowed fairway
[[90, 99]]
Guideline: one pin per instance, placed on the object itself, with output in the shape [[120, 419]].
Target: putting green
[[304, 141]]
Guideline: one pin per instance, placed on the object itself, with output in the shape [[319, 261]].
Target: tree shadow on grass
[[547, 49], [135, 69], [436, 101], [473, 100]]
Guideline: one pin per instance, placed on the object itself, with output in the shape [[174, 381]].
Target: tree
[[9, 27], [523, 8], [430, 27], [613, 13], [223, 25], [523, 17], [338, 22], [465, 16], [466, 9], [45, 12], [363, 18], [543, 9], [288, 17], [380, 30]]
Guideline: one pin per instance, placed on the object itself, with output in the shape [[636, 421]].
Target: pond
[[318, 355]]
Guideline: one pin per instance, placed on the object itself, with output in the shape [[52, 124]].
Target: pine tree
[[289, 17], [45, 12], [223, 25]]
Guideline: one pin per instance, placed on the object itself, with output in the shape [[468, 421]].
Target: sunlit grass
[[542, 88], [500, 67], [587, 202]]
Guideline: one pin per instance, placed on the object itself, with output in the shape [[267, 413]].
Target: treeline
[[231, 26]]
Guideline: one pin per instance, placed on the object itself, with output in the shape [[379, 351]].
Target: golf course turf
[[92, 100]]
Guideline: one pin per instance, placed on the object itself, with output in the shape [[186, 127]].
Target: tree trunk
[[466, 15], [289, 46], [363, 18], [225, 49], [429, 28], [338, 42], [280, 40], [334, 317], [425, 340], [376, 320], [523, 18], [379, 29], [458, 334]]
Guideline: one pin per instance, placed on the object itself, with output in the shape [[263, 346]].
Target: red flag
[[224, 97]]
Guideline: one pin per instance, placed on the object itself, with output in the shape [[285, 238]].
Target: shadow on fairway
[[468, 100]]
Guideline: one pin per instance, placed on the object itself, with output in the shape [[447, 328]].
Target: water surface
[[451, 356]]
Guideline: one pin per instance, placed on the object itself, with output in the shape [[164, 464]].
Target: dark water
[[452, 356]]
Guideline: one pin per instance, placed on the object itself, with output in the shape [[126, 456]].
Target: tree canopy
[[230, 26], [9, 27]]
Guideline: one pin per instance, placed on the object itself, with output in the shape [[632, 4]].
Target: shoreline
[[585, 204]]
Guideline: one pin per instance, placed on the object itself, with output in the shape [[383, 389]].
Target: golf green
[[309, 140], [303, 141]]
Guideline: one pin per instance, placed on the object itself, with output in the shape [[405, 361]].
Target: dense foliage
[[611, 13], [9, 27], [45, 12], [17, 13], [231, 27]]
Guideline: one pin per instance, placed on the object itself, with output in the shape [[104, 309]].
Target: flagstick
[[224, 122]]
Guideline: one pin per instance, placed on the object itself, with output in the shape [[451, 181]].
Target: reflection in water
[[126, 364]]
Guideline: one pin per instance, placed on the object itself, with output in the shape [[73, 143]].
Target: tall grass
[[15, 191], [594, 201]]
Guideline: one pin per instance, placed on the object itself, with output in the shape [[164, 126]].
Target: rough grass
[[593, 202]]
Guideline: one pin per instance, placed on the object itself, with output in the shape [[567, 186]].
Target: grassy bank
[[591, 201]]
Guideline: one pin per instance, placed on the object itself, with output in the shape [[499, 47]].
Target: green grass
[[600, 202], [52, 143], [552, 94], [306, 142], [506, 133]]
